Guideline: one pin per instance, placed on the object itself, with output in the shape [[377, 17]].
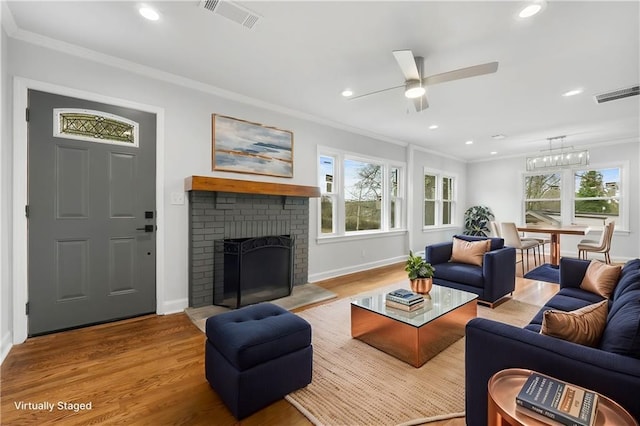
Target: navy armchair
[[493, 280]]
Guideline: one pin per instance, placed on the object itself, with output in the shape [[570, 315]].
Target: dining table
[[555, 231]]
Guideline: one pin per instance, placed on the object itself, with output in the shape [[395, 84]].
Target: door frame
[[20, 285]]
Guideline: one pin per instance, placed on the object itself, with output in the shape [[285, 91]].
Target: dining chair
[[601, 246], [494, 227], [495, 230], [512, 239]]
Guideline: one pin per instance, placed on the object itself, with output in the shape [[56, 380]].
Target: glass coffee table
[[413, 337]]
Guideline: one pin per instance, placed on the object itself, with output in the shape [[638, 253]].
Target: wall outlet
[[177, 198]]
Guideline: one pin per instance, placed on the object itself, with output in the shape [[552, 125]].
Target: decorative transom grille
[[96, 127]]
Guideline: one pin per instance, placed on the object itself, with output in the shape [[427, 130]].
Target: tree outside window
[[597, 195], [430, 200], [363, 196], [543, 195]]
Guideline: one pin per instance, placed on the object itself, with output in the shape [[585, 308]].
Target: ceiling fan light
[[149, 13], [532, 9], [414, 89]]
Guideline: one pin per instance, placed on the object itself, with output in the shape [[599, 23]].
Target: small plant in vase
[[420, 273]]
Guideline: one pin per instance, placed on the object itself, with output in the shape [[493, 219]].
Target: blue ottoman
[[256, 355]]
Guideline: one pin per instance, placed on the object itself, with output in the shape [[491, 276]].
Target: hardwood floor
[[150, 370]]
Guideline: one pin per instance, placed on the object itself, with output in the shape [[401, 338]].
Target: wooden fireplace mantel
[[212, 184]]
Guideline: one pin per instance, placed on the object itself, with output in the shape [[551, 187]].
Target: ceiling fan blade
[[373, 93], [420, 103], [407, 64], [461, 73]]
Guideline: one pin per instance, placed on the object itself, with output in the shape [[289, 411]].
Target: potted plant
[[476, 221], [420, 273]]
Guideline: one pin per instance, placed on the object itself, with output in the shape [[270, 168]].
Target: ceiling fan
[[415, 82]]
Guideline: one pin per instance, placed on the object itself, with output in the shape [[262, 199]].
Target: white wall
[[498, 184], [5, 202]]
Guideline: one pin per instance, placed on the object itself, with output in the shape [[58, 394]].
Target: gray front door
[[91, 212]]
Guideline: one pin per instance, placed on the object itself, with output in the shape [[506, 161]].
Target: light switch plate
[[177, 198]]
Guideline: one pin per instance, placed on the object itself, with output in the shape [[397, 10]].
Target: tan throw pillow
[[471, 252], [583, 326], [601, 278]]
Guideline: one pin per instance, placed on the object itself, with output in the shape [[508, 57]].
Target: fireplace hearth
[[252, 270]]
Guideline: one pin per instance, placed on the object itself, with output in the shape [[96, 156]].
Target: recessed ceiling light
[[347, 92], [469, 142], [149, 13], [433, 127], [493, 152], [532, 9], [572, 92]]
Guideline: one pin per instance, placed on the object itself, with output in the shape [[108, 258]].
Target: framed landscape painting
[[244, 147]]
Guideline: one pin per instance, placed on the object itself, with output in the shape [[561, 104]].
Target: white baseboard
[[352, 269], [173, 306], [5, 345]]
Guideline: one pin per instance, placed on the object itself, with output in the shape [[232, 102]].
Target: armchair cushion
[[460, 272], [471, 252]]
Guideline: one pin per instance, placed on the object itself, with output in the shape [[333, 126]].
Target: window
[[543, 198], [359, 194], [439, 199], [596, 196], [584, 196]]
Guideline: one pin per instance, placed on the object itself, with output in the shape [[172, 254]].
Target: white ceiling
[[302, 54]]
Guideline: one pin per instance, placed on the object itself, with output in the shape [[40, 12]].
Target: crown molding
[[150, 72]]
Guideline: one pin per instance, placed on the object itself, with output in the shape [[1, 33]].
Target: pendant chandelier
[[554, 158]]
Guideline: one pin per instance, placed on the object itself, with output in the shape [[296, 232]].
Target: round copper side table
[[505, 385]]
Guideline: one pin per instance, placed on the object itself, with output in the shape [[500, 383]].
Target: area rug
[[301, 295], [547, 272], [356, 384]]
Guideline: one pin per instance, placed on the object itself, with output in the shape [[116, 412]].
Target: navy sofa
[[612, 369], [493, 280]]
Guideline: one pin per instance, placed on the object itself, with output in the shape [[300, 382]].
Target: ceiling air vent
[[232, 11], [618, 94]]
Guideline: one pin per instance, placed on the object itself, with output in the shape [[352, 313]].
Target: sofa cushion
[[628, 282], [583, 326], [600, 278], [569, 299], [461, 273], [471, 252], [622, 333], [496, 243]]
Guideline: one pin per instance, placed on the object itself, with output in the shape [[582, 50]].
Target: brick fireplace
[[228, 208]]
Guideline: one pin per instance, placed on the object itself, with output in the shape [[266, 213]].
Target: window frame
[[439, 199], [339, 195]]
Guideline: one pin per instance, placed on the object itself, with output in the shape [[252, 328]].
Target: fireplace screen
[[252, 270]]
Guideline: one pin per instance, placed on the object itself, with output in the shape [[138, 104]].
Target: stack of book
[[405, 300], [556, 402]]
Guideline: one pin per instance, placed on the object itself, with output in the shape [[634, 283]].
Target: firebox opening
[[252, 270]]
